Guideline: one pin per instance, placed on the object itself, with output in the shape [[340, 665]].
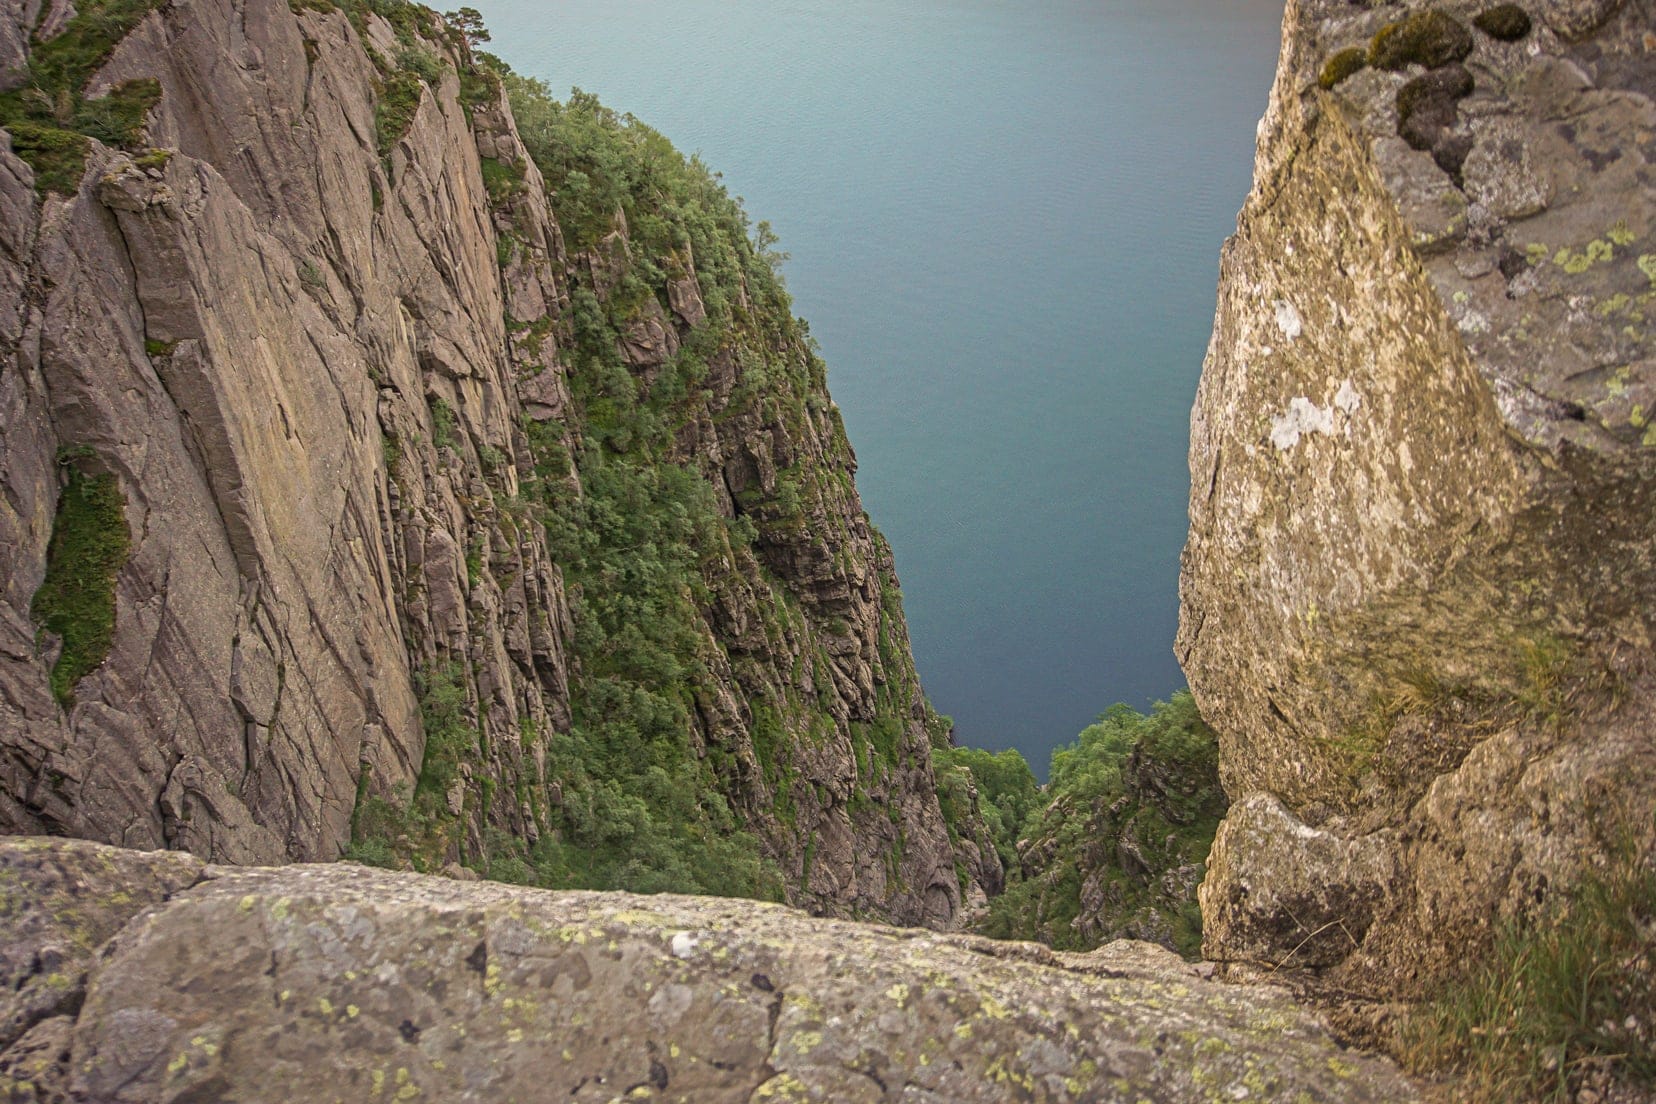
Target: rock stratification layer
[[291, 355], [1417, 594], [324, 983]]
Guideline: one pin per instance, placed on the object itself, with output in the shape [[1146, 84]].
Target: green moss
[[154, 159], [159, 348], [1507, 22], [76, 600], [1426, 38], [1341, 65]]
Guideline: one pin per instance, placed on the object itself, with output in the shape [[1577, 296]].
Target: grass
[[1560, 997], [76, 600]]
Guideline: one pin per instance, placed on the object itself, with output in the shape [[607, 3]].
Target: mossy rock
[[1434, 94], [1429, 38], [1343, 64], [1506, 22]]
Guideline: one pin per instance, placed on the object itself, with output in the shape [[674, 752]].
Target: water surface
[[1004, 222]]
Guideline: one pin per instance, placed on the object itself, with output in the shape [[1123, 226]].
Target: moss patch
[[76, 600], [1428, 38], [1339, 66], [1507, 22], [57, 156]]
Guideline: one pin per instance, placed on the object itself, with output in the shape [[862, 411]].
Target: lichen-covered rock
[[1418, 593], [60, 901], [333, 983]]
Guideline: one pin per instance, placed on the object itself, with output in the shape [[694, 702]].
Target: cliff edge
[[1417, 597], [342, 492]]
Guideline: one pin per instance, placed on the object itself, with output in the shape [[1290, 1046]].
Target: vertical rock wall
[[292, 338], [1417, 593]]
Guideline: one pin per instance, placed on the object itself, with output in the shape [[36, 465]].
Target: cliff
[[352, 499], [324, 983], [1417, 593]]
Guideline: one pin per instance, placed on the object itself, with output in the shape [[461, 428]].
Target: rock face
[[331, 982], [305, 339], [1417, 593]]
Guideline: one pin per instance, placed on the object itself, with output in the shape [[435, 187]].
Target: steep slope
[[1417, 594], [1116, 845], [303, 364]]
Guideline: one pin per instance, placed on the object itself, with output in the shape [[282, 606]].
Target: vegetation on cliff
[[1117, 845], [681, 578], [76, 599], [1563, 1002], [51, 119]]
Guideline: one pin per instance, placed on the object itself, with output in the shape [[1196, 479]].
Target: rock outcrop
[[290, 354], [151, 977], [1419, 587]]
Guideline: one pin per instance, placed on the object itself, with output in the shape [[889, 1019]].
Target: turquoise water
[[1004, 222]]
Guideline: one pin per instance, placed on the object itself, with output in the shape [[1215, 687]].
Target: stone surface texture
[[255, 337], [1420, 585], [335, 983]]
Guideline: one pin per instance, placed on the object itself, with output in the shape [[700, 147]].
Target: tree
[[469, 22]]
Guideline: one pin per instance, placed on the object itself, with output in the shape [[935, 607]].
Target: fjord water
[[1004, 222]]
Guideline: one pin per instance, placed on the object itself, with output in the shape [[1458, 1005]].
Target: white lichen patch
[[1302, 417], [1288, 320], [1347, 398]]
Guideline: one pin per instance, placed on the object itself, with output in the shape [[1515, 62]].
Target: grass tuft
[[1561, 997]]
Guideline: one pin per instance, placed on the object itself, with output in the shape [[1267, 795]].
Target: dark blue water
[[1004, 222]]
